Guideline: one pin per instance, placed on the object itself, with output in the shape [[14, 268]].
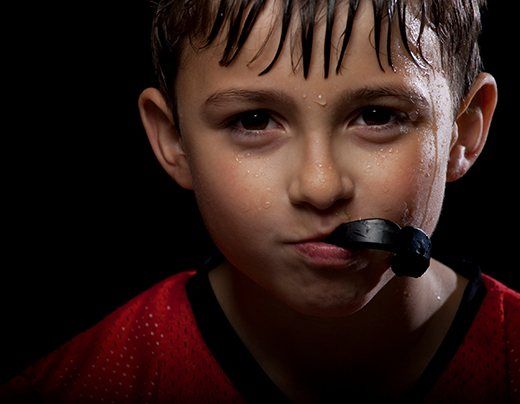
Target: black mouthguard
[[410, 245]]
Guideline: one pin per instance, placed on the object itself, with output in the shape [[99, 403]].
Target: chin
[[334, 298], [329, 305]]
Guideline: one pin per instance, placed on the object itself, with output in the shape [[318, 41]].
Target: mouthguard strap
[[410, 245]]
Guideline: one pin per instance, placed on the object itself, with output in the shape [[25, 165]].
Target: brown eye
[[253, 124], [255, 120], [377, 116]]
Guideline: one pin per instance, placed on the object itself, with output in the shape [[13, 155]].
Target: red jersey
[[173, 343]]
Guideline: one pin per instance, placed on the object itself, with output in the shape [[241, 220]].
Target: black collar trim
[[256, 386]]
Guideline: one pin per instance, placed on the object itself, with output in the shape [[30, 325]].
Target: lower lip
[[324, 254]]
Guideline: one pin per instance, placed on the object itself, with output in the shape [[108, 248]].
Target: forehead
[[231, 23], [201, 72]]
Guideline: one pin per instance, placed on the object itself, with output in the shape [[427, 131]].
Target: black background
[[89, 217]]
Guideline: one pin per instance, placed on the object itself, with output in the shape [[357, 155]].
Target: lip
[[319, 253]]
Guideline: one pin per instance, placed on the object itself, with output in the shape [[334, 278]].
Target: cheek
[[431, 180], [404, 182], [235, 195]]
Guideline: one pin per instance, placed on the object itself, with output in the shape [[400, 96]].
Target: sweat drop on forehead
[[410, 245]]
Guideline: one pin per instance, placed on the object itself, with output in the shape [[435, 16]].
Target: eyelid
[[239, 115]]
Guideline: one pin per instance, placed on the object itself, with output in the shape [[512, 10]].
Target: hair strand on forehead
[[233, 32], [287, 14], [331, 7], [456, 25], [390, 13], [378, 16], [421, 31], [307, 16], [352, 9], [219, 20], [401, 15], [248, 26]]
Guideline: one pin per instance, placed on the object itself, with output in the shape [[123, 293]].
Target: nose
[[318, 179]]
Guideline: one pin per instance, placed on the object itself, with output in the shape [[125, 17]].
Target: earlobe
[[472, 126], [164, 138]]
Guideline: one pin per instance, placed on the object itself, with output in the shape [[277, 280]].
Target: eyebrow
[[367, 94], [243, 95]]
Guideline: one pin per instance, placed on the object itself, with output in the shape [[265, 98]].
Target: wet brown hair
[[456, 23]]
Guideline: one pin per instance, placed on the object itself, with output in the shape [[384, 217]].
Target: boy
[[367, 109]]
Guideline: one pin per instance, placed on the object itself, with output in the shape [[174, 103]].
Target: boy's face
[[362, 144]]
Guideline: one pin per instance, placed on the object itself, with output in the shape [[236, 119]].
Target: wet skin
[[271, 170], [316, 164]]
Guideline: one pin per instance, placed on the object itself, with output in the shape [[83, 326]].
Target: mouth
[[410, 246], [316, 252]]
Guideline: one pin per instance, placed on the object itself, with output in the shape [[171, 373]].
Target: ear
[[472, 126], [163, 136]]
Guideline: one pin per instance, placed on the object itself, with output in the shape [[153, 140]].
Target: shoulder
[[501, 307], [497, 286], [136, 321], [508, 302], [485, 363], [507, 298], [124, 350], [500, 316], [133, 321]]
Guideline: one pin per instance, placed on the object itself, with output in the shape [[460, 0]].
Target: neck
[[295, 348]]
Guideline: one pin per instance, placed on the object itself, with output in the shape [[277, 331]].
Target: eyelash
[[398, 118]]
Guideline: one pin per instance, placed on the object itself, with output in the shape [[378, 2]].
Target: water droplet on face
[[321, 100], [438, 297], [319, 165], [267, 205]]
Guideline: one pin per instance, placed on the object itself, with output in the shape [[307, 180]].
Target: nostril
[[321, 188]]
